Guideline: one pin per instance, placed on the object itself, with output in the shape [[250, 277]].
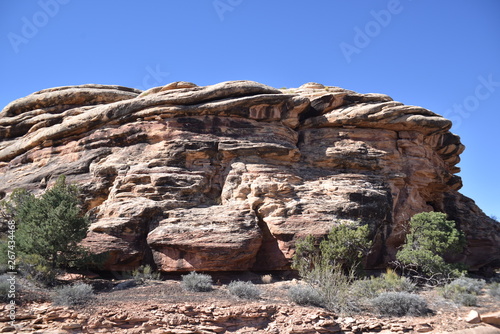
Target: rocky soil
[[228, 176], [162, 307]]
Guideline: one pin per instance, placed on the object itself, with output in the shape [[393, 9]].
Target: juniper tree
[[49, 226], [430, 238]]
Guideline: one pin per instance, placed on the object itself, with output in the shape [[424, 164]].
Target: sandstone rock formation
[[228, 176]]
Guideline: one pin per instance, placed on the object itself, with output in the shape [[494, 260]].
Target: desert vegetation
[[331, 269], [48, 230], [245, 290], [72, 295], [197, 282]]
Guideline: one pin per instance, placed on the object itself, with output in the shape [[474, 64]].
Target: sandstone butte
[[227, 177]]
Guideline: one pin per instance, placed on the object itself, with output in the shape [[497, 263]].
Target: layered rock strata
[[228, 176]]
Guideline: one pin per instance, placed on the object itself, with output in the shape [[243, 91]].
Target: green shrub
[[346, 245], [197, 282], [463, 290], [400, 304], [49, 226], [430, 238], [331, 267], [246, 290], [305, 295], [77, 294], [387, 282], [469, 285]]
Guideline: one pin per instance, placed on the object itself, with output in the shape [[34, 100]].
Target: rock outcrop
[[228, 176]]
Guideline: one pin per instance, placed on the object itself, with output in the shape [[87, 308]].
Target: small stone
[[39, 326], [374, 325], [8, 329], [108, 324], [71, 326], [148, 327], [134, 319], [215, 329], [423, 328], [473, 317]]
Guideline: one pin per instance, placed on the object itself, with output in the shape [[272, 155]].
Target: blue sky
[[442, 55]]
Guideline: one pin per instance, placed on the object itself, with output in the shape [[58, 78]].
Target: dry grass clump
[[267, 279]]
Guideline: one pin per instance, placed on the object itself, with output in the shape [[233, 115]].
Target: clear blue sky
[[442, 55]]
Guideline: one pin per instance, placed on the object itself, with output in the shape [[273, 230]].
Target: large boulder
[[229, 176]]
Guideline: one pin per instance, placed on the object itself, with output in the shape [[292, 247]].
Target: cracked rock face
[[228, 176]]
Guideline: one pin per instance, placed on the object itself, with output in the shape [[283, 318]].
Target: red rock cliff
[[228, 176]]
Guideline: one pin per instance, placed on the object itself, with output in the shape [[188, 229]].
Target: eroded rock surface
[[228, 176]]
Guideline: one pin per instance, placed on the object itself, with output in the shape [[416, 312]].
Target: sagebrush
[[464, 290], [197, 282], [246, 290], [305, 295], [77, 294], [400, 304], [494, 290]]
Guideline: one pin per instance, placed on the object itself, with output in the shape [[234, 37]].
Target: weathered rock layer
[[228, 176]]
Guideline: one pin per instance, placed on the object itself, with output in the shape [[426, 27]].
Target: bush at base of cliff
[[463, 290], [49, 226], [494, 290], [77, 294], [330, 267], [400, 304], [430, 238], [346, 246], [389, 281], [305, 295], [245, 290], [197, 282]]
